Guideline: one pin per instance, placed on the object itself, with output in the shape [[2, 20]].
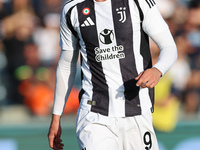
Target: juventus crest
[[122, 12]]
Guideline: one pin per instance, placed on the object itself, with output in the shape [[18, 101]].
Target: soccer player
[[116, 100]]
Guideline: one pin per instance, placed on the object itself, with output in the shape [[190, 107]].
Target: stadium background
[[29, 51]]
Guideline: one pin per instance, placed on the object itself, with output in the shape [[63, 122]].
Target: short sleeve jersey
[[113, 38]]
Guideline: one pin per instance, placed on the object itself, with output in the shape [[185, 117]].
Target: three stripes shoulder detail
[[151, 3]]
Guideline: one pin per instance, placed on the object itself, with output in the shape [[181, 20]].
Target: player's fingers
[[153, 84], [57, 148], [58, 145], [144, 85], [149, 83], [142, 81], [58, 141], [138, 77], [145, 81], [51, 139], [51, 142], [55, 143]]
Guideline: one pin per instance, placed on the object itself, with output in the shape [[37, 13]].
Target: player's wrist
[[55, 119], [158, 71]]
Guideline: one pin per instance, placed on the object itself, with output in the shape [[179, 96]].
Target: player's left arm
[[168, 55], [157, 29]]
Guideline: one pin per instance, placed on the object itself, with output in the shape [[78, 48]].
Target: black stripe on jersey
[[145, 52], [140, 10], [90, 37], [151, 3], [151, 94], [69, 23], [81, 91], [124, 36]]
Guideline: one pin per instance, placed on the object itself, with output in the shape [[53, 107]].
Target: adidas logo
[[87, 22]]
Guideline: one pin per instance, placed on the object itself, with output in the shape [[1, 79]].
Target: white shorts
[[97, 132]]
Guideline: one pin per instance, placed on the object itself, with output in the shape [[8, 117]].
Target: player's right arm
[[65, 76]]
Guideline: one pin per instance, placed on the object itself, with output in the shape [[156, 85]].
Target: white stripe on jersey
[[111, 67]]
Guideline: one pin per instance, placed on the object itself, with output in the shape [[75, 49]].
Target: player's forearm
[[64, 83], [65, 76], [166, 59], [55, 119], [168, 51]]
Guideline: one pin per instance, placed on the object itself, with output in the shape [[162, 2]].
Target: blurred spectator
[[47, 39], [3, 63], [37, 84], [181, 71], [44, 7], [167, 104], [183, 20], [192, 92], [166, 109], [17, 29], [29, 32]]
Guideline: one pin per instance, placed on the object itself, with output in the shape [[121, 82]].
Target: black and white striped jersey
[[114, 46]]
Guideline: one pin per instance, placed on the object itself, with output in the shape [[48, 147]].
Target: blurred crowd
[[29, 52], [178, 93]]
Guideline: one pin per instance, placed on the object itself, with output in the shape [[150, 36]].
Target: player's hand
[[55, 133], [148, 78]]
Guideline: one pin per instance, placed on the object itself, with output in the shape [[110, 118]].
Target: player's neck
[[100, 0]]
